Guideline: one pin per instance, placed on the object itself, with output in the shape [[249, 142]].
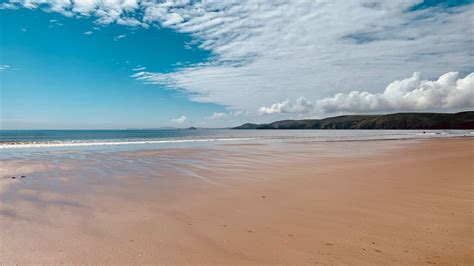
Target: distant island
[[462, 120]]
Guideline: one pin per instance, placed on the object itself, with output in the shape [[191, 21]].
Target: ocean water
[[44, 139], [110, 154]]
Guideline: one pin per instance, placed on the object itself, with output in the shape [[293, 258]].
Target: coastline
[[363, 202], [146, 139]]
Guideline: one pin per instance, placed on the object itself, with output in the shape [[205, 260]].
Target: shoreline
[[422, 135], [327, 202]]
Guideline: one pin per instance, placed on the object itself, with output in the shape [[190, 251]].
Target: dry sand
[[379, 202]]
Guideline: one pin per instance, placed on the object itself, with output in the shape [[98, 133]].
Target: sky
[[100, 64]]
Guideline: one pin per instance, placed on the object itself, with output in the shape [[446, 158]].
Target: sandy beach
[[361, 202]]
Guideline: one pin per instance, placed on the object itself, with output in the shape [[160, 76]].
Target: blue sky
[[63, 78], [146, 64]]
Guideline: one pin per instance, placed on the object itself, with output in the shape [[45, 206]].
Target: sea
[[151, 138], [46, 154]]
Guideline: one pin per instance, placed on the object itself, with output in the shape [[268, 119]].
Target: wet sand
[[364, 202]]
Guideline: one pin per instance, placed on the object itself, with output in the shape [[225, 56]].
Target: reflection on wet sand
[[343, 202]]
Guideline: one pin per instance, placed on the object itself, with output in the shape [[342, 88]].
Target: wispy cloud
[[139, 68], [268, 51], [118, 37], [180, 120], [88, 32], [235, 113], [131, 22], [55, 23], [13, 5], [216, 115], [4, 67]]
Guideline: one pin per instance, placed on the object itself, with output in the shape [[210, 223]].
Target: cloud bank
[[301, 106], [266, 51], [411, 94]]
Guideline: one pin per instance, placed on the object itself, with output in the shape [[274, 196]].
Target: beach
[[406, 201]]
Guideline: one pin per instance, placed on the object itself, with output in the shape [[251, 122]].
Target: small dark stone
[[13, 177], [263, 197], [250, 231], [291, 235], [23, 176]]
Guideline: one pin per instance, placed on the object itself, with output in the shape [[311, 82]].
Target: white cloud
[[265, 51], [88, 32], [172, 19], [131, 22], [217, 115], [55, 23], [8, 6], [139, 68], [179, 120], [301, 106], [118, 37], [448, 92], [4, 67]]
